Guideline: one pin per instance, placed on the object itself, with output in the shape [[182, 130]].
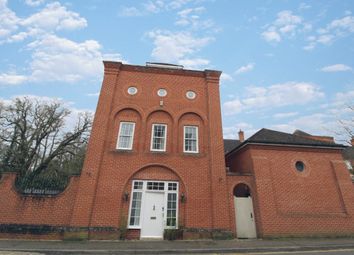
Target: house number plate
[[152, 218]]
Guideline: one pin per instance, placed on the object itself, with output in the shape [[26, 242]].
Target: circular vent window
[[300, 166], [191, 94], [162, 92], [132, 90]]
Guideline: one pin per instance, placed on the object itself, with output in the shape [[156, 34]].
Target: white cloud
[[345, 24], [316, 124], [93, 94], [244, 69], [191, 18], [325, 122], [277, 95], [287, 128], [11, 79], [60, 59], [152, 7], [325, 39], [178, 47], [286, 18], [233, 107], [57, 58], [130, 12], [53, 17], [336, 68], [310, 46], [53, 58], [344, 98], [290, 127], [335, 30], [193, 63], [271, 35], [9, 21], [286, 25], [304, 6], [232, 131], [34, 2], [226, 77], [176, 4], [339, 106], [285, 115]]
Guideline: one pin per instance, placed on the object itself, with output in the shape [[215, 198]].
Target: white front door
[[245, 223], [153, 215]]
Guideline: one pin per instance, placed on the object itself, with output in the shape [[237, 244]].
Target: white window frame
[[152, 137], [119, 133], [166, 209], [197, 139], [143, 190], [131, 204]]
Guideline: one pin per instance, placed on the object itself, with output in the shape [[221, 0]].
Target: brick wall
[[35, 210], [317, 201]]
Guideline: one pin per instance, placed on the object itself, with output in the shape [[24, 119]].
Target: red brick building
[[157, 160]]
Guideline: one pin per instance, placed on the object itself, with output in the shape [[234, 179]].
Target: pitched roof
[[230, 144], [267, 136], [271, 136]]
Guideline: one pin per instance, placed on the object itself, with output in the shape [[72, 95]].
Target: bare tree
[[345, 131], [34, 139]]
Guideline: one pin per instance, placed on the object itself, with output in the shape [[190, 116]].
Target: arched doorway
[[245, 222], [154, 200]]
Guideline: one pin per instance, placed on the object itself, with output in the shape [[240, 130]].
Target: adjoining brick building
[[157, 160]]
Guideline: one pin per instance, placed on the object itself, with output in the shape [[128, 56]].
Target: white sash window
[[126, 136], [190, 142], [158, 137]]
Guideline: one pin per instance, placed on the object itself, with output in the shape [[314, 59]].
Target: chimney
[[352, 141], [241, 136]]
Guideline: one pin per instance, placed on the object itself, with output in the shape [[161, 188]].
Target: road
[[328, 252], [320, 252], [294, 246]]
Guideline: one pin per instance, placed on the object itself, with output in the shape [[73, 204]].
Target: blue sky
[[286, 64]]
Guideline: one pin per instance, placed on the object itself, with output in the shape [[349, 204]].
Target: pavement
[[22, 247]]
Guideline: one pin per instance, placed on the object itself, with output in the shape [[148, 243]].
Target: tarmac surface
[[249, 246]]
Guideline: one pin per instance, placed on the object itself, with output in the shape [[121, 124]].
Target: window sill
[[134, 227], [192, 154], [159, 152], [124, 151]]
